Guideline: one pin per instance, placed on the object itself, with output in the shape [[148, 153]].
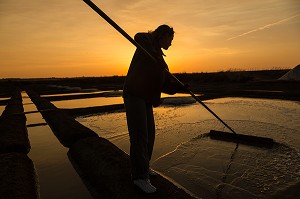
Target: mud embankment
[[18, 178]]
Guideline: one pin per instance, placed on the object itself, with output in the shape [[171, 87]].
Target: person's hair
[[162, 30]]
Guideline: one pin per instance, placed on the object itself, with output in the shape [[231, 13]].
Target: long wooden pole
[[120, 30]]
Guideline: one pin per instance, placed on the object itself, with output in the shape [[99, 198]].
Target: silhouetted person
[[145, 81]]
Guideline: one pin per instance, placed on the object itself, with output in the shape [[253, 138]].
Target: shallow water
[[88, 102], [207, 168], [2, 109], [57, 177], [67, 94], [4, 98], [98, 101], [215, 169]]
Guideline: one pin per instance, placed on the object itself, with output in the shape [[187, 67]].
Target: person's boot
[[145, 185]]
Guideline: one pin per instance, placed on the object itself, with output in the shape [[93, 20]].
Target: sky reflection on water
[[181, 153], [199, 164], [98, 101], [57, 177], [2, 109]]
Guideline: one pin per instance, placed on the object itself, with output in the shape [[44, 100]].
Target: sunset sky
[[66, 38]]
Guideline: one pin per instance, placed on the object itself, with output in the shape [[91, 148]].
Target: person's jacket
[[147, 78]]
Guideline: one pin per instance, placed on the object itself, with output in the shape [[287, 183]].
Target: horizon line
[[230, 70]]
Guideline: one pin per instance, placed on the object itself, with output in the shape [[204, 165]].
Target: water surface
[[207, 168], [57, 177], [98, 101], [215, 169], [2, 109]]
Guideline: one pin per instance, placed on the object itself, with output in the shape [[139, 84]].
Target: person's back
[[146, 76]]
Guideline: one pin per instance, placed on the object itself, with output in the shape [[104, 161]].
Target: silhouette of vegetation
[[210, 85]]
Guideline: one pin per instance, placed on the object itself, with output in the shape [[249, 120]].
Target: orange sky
[[54, 38]]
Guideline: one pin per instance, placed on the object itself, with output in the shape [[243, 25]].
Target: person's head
[[164, 34]]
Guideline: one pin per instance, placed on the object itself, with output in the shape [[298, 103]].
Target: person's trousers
[[141, 127]]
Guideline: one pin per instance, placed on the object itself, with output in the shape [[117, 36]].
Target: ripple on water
[[215, 169]]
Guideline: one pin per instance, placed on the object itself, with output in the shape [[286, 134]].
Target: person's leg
[[136, 115], [150, 128], [151, 135]]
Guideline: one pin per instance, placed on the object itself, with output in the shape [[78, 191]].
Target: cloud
[[265, 27]]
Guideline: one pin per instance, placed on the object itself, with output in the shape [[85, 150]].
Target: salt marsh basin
[[206, 168], [215, 169]]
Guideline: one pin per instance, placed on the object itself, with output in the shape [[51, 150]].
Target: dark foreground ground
[[255, 84]]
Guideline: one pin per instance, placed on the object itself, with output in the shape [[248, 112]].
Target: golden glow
[[54, 38]]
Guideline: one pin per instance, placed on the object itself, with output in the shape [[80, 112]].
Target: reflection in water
[[99, 101], [4, 98], [200, 164], [204, 166], [67, 94], [57, 178], [2, 109], [88, 102]]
